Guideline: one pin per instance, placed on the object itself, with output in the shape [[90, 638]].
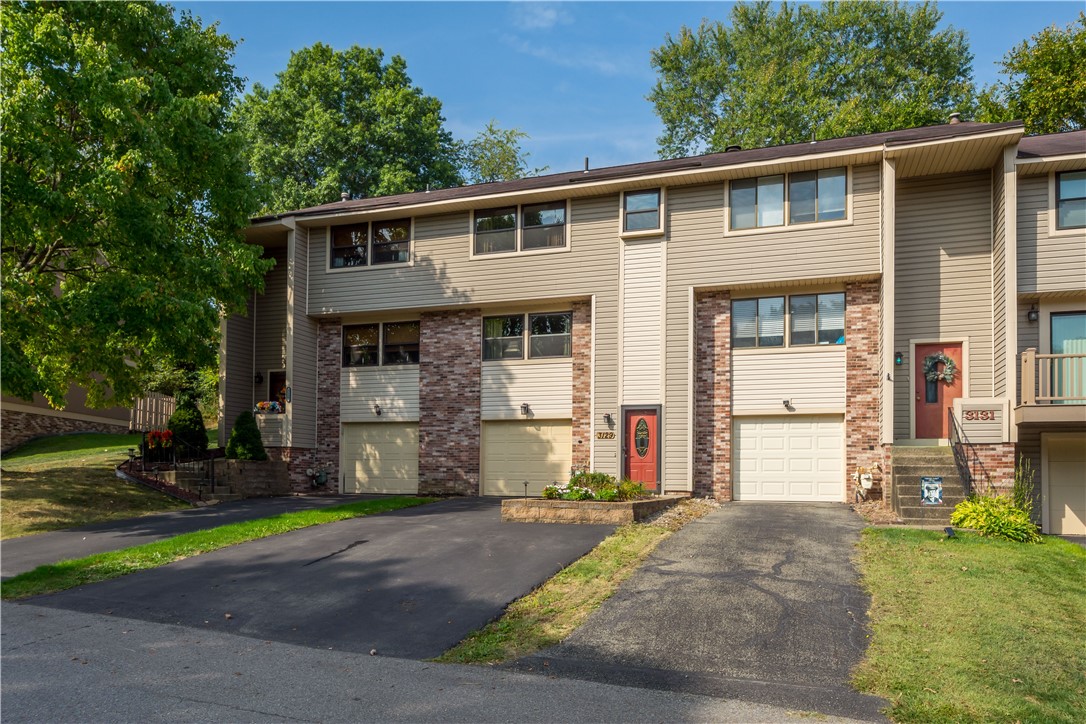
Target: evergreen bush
[[187, 426], [245, 442]]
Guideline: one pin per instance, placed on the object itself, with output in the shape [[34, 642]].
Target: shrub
[[995, 516], [187, 426], [592, 480], [629, 490], [1022, 492], [595, 486], [245, 442]]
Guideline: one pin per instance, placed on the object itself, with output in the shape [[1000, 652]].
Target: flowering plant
[[567, 492], [269, 407], [159, 438]]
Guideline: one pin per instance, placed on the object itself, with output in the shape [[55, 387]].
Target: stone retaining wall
[[537, 510]]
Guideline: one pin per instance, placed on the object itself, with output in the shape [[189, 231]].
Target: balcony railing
[[1053, 379]]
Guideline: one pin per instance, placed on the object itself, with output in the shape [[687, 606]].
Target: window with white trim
[[509, 229], [1071, 200], [381, 343], [365, 244], [641, 210], [810, 319], [543, 335], [812, 196]]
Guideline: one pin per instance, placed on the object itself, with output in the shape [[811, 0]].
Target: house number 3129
[[980, 415], [605, 436]]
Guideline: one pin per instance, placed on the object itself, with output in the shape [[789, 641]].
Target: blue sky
[[573, 75]]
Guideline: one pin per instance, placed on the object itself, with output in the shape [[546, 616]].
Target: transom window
[[547, 335], [641, 210], [1071, 200], [812, 319], [812, 196], [383, 242], [385, 343], [541, 226]]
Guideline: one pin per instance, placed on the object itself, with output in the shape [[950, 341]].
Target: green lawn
[[103, 566], [975, 629], [68, 480]]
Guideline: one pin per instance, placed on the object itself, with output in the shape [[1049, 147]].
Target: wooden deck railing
[[1053, 379]]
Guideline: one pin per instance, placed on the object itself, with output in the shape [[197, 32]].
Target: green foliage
[[592, 480], [123, 192], [629, 490], [245, 442], [1045, 84], [595, 486], [495, 155], [344, 121], [802, 72], [1022, 492], [187, 425], [995, 516]]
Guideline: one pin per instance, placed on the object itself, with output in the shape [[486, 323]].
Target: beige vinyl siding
[[944, 267], [699, 255], [999, 283], [270, 323], [1045, 263], [395, 388], [812, 380], [546, 387], [302, 365], [236, 351], [642, 305]]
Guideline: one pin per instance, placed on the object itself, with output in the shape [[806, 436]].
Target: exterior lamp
[[377, 410], [608, 418], [524, 409], [258, 378], [1033, 315], [898, 359]]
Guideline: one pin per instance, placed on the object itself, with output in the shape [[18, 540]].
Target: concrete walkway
[[756, 601], [18, 555]]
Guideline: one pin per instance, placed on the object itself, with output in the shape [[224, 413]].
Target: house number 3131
[[980, 415]]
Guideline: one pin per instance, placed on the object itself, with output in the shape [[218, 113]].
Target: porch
[[1053, 389]]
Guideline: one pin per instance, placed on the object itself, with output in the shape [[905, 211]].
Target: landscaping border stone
[[594, 512]]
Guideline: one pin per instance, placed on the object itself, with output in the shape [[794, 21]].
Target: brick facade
[[17, 428], [998, 461], [712, 396], [863, 444], [329, 362], [298, 460], [582, 384], [450, 396]]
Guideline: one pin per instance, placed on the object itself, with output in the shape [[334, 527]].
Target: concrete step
[[926, 513], [221, 497], [904, 501], [918, 469], [909, 450], [222, 490]]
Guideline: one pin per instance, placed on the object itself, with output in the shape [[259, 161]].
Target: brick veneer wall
[[298, 460], [329, 362], [712, 396], [450, 395], [998, 460], [582, 384], [17, 428], [863, 446]]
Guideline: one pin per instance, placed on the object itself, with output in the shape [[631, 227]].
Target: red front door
[[932, 398], [641, 447]]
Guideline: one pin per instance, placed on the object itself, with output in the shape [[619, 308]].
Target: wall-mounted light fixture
[[288, 394], [1033, 315], [524, 409], [787, 403], [608, 418], [258, 378], [377, 410], [898, 359]]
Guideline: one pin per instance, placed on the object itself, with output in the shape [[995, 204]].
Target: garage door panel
[[793, 459], [1067, 486], [381, 458], [540, 452]]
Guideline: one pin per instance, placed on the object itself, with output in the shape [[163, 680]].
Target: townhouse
[[758, 324]]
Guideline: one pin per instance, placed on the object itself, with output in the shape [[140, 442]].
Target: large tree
[[794, 73], [495, 154], [123, 193], [1045, 82], [345, 121]]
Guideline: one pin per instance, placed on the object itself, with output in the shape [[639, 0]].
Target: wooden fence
[[152, 412]]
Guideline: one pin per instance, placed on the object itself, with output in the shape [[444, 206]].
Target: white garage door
[[540, 452], [1066, 485], [789, 458], [381, 457]]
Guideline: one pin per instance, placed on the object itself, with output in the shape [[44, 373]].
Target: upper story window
[[812, 196], [386, 343], [641, 210], [531, 227], [383, 242], [1071, 200], [812, 319], [548, 335]]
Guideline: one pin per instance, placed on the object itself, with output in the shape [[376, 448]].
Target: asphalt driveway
[[409, 584], [757, 601]]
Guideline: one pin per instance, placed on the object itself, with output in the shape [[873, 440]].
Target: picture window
[[511, 229], [542, 335], [812, 319], [386, 343], [812, 196]]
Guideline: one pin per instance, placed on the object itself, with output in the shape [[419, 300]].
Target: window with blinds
[[811, 319]]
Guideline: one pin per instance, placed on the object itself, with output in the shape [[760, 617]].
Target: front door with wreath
[[938, 382]]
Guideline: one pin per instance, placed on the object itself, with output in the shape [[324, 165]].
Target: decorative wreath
[[932, 373]]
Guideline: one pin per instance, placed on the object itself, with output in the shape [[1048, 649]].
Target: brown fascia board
[[1053, 144], [611, 173]]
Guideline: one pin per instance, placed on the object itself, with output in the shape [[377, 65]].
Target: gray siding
[[270, 323], [999, 283], [1045, 263], [1029, 335], [235, 384], [302, 368], [700, 255], [943, 286]]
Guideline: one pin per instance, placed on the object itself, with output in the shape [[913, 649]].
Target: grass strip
[[103, 566], [551, 612], [974, 629]]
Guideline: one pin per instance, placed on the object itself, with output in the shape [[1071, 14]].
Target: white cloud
[[580, 59], [539, 16]]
